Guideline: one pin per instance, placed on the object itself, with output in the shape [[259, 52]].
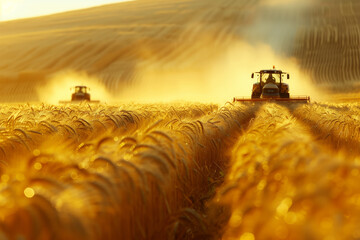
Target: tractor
[[270, 86], [81, 93]]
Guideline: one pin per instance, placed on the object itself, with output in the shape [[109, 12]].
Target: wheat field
[[183, 171], [165, 155]]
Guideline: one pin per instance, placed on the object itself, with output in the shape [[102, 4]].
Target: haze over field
[[182, 49], [185, 170]]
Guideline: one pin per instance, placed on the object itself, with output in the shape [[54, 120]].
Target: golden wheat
[[155, 171], [335, 124], [105, 172], [284, 185]]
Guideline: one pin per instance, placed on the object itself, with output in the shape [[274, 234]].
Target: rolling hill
[[123, 44]]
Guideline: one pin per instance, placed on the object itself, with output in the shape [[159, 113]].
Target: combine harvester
[[270, 87], [80, 94]]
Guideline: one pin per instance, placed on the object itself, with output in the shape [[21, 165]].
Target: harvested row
[[110, 176], [282, 185], [337, 125]]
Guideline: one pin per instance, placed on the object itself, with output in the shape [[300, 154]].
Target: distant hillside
[[113, 42], [328, 48]]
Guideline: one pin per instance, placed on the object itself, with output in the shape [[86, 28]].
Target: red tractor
[[270, 86]]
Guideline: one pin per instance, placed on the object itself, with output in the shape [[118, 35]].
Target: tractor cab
[[270, 77], [270, 84], [81, 93]]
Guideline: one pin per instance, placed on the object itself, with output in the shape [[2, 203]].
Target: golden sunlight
[[9, 9], [179, 119], [16, 9]]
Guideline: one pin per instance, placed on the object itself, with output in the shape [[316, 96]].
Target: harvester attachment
[[295, 99], [79, 101]]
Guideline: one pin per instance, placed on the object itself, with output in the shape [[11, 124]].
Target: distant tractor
[[270, 87], [81, 93]]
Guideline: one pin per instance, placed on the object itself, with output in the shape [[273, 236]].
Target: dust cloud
[[61, 84], [265, 42], [220, 80], [277, 22]]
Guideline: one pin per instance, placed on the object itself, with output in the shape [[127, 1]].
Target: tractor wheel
[[284, 95], [254, 95]]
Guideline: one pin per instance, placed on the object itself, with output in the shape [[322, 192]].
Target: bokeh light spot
[[29, 192], [5, 178], [36, 152], [247, 236], [37, 166]]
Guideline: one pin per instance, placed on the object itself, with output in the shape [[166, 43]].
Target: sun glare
[[9, 9], [15, 9]]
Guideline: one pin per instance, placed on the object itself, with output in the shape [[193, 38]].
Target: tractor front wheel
[[284, 95], [254, 95]]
